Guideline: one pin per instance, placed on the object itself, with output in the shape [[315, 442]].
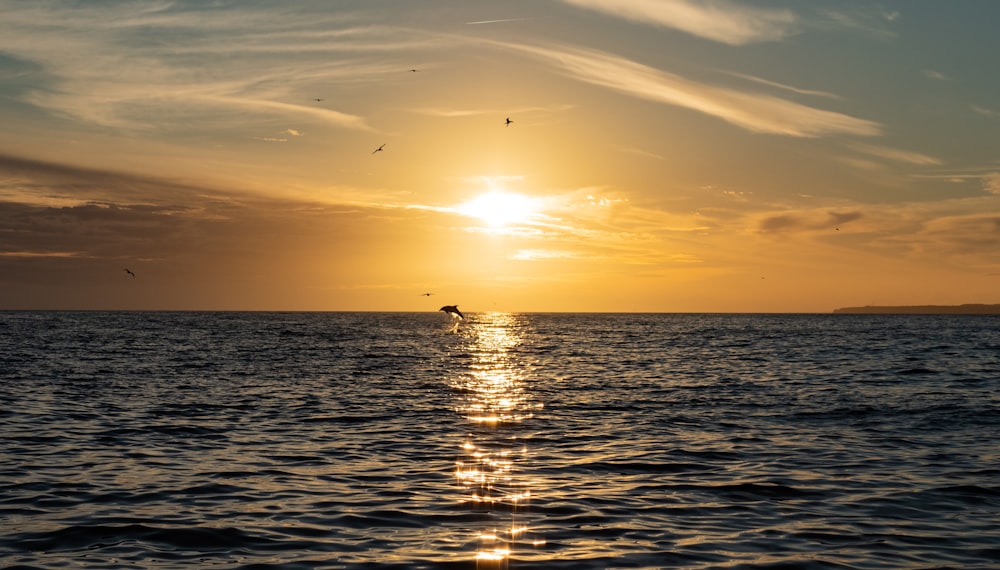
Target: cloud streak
[[754, 112], [143, 66], [717, 20], [896, 155]]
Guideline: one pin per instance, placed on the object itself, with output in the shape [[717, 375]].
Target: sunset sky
[[673, 155]]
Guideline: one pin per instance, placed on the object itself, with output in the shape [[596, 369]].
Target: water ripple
[[376, 441]]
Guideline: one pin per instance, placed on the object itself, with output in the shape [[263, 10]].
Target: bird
[[426, 294], [508, 122], [129, 271], [378, 149], [453, 310], [317, 100], [413, 71]]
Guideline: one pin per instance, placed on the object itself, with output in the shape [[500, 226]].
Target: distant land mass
[[970, 309]]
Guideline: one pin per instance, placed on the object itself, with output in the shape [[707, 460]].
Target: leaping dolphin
[[452, 309]]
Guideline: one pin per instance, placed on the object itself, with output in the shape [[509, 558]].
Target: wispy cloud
[[543, 254], [500, 21], [896, 155], [868, 20], [641, 152], [991, 113], [960, 232], [782, 86], [752, 111], [50, 184], [717, 20], [987, 176], [935, 75], [451, 113], [991, 182], [145, 65], [42, 254], [472, 112]]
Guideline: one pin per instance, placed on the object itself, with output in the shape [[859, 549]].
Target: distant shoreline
[[969, 309]]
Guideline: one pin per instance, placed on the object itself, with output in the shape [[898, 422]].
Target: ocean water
[[407, 440]]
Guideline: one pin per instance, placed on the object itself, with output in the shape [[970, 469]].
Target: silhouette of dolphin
[[452, 309]]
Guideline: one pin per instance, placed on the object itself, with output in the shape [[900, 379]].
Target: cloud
[[50, 184], [717, 20], [821, 220], [450, 113], [42, 254], [543, 254], [868, 20], [147, 65], [642, 152], [780, 222], [839, 218], [501, 21], [751, 111], [468, 112], [993, 114], [991, 183], [63, 213], [986, 176], [906, 157], [969, 240], [281, 139], [962, 233], [796, 90]]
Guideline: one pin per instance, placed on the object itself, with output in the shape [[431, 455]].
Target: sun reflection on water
[[493, 397]]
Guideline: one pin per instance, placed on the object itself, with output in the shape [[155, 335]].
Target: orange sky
[[680, 156]]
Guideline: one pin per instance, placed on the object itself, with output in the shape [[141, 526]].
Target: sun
[[500, 209]]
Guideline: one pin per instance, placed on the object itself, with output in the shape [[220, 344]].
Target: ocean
[[161, 440]]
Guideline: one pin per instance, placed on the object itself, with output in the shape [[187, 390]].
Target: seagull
[[507, 124], [317, 100], [426, 294], [130, 273], [378, 149], [452, 309], [413, 71]]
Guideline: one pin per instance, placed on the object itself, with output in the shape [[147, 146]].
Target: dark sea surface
[[577, 441]]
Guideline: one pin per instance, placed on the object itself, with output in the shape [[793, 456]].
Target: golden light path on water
[[494, 399]]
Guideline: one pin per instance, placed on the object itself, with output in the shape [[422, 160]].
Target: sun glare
[[500, 209]]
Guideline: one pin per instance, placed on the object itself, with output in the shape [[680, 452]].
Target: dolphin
[[452, 309]]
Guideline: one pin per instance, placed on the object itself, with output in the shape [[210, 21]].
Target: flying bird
[[453, 310], [508, 122], [426, 294], [378, 149], [413, 71], [129, 271], [317, 100]]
